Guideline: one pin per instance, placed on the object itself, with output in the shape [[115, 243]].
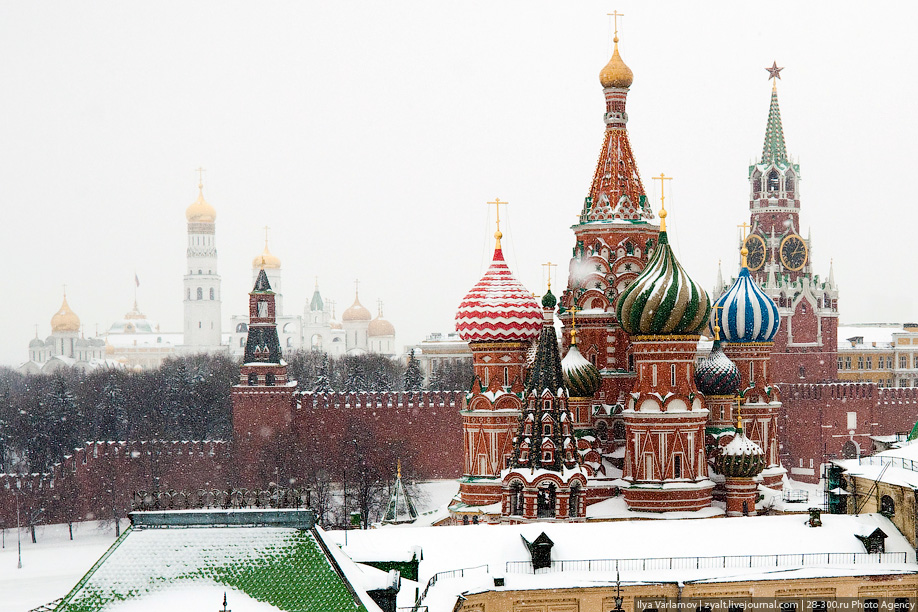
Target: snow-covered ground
[[52, 566]]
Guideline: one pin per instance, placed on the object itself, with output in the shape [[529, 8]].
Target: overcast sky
[[369, 137]]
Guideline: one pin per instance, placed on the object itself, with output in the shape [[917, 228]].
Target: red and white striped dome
[[498, 308]]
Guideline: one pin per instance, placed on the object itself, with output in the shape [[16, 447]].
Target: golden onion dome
[[200, 211], [356, 312], [65, 320], [616, 73], [335, 325], [266, 260], [379, 326]]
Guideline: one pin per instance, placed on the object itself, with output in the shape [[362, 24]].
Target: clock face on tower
[[793, 252], [755, 259]]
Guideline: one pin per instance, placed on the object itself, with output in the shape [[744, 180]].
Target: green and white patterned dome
[[663, 300], [741, 458], [581, 377]]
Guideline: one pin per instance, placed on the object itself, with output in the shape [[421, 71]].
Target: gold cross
[[574, 310], [266, 236], [200, 172], [716, 327], [379, 306], [615, 15], [662, 178], [744, 227], [739, 414], [549, 265], [497, 234], [356, 286]]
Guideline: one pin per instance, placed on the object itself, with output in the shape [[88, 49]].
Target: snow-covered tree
[[414, 378]]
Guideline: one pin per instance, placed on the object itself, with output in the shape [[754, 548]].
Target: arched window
[[200, 293], [188, 294], [574, 501], [887, 506], [269, 379], [253, 379], [516, 498], [212, 293], [602, 430], [789, 185], [773, 180], [241, 328], [618, 430], [241, 342], [546, 501]]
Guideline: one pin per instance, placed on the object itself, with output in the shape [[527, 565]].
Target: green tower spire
[[774, 150]]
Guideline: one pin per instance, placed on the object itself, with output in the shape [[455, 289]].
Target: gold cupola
[[266, 261], [65, 320], [616, 73], [200, 211]]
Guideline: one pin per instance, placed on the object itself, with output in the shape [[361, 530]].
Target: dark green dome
[[741, 458], [549, 300]]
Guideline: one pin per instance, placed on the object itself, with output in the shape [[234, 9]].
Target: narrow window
[[269, 379], [653, 375], [506, 377], [262, 309], [200, 293], [672, 375], [677, 466], [211, 293]]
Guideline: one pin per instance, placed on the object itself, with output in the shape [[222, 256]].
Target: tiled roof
[[287, 568]]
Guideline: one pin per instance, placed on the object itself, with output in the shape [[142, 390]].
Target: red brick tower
[[499, 319], [664, 311], [615, 236], [805, 347], [263, 399]]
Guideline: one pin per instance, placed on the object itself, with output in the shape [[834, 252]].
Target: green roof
[[289, 568]]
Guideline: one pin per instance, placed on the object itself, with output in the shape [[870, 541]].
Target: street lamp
[[618, 590]]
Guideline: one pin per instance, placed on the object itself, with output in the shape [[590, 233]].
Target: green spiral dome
[[581, 377], [663, 300]]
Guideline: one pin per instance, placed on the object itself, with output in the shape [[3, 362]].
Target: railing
[[457, 573], [795, 496], [274, 497], [686, 563], [900, 462]]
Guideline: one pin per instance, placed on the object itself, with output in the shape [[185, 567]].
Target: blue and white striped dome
[[746, 314]]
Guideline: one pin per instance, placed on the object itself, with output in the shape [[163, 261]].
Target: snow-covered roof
[[881, 334], [284, 567], [501, 549], [900, 463]]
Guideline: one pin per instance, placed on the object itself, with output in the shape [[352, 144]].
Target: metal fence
[[456, 573], [899, 462], [688, 563], [275, 497]]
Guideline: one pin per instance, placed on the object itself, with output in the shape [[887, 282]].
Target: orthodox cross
[[744, 251], [225, 609], [662, 178], [379, 306], [497, 234], [615, 15], [266, 228], [356, 287], [200, 172], [549, 265], [739, 414], [574, 310], [716, 326]]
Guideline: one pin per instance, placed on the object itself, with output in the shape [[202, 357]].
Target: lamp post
[[18, 528], [618, 590]]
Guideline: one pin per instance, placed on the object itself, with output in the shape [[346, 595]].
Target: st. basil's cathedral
[[630, 410]]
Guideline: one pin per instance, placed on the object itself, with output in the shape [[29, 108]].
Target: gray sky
[[370, 135]]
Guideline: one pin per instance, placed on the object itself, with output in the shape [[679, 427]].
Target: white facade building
[[202, 282]]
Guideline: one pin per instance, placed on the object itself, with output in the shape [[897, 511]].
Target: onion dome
[[200, 211], [549, 300], [616, 73], [498, 308], [741, 458], [335, 325], [65, 320], [266, 261], [380, 327], [36, 343], [356, 312], [717, 374], [663, 299], [581, 377], [748, 314]]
